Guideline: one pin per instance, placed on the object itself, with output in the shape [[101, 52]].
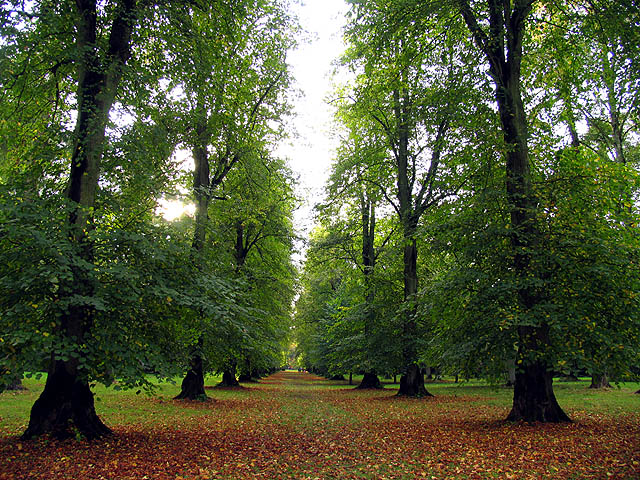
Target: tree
[[67, 397], [502, 44], [230, 76], [411, 89], [355, 238], [255, 222], [89, 273]]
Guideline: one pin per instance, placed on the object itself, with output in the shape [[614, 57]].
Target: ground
[[297, 426]]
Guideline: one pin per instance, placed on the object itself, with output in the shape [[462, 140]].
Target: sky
[[310, 153]]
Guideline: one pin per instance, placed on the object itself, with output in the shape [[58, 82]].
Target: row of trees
[[490, 150], [99, 102]]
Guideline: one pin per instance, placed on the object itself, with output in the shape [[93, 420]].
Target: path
[[298, 426]]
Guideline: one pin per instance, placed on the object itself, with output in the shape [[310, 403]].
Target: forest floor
[[298, 426]]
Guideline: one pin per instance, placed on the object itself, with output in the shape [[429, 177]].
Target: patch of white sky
[[310, 149]]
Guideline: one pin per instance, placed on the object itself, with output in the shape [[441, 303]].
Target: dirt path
[[297, 426]]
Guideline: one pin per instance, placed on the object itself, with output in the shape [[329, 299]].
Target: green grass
[[297, 426], [619, 399], [119, 406]]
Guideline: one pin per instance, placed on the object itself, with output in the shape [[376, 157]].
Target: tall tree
[[502, 45], [353, 184], [411, 89], [232, 70], [67, 398]]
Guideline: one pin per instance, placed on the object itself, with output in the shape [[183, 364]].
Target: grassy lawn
[[295, 425]]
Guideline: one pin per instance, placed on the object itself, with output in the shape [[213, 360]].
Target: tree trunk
[[412, 383], [67, 401], [369, 381], [192, 387], [16, 386], [15, 383], [428, 372], [533, 398], [511, 372], [229, 378], [599, 381], [368, 211], [193, 383]]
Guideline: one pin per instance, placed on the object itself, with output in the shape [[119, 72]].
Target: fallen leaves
[[294, 426]]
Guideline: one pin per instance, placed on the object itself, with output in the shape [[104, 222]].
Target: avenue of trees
[[99, 103], [481, 216]]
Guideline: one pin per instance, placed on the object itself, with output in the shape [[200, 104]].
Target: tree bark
[[369, 381], [15, 380], [229, 378], [192, 387], [368, 211], [599, 380], [412, 383], [67, 401], [411, 380], [533, 397]]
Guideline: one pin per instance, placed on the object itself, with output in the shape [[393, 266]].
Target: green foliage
[[147, 295]]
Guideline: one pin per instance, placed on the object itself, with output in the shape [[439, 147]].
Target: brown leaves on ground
[[293, 426]]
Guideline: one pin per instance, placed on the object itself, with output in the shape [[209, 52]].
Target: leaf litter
[[292, 426]]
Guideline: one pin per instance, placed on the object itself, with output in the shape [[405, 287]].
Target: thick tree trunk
[[412, 383], [533, 398], [368, 210], [192, 387], [369, 381], [599, 380], [229, 378], [67, 401], [248, 375]]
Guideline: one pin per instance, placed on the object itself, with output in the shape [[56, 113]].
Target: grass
[[298, 426]]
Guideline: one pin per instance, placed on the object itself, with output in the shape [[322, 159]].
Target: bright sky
[[310, 154]]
